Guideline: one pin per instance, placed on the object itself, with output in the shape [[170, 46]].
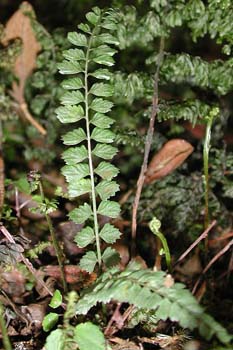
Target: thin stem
[[212, 261], [166, 249], [54, 241], [198, 240], [149, 137], [206, 170], [5, 337], [91, 168]]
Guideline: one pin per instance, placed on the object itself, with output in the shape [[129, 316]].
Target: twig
[[149, 137], [115, 318], [193, 245], [212, 261], [27, 263]]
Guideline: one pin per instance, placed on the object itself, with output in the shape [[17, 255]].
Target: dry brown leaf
[[169, 157], [73, 274], [19, 26]]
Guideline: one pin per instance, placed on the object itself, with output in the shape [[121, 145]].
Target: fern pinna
[[86, 100]]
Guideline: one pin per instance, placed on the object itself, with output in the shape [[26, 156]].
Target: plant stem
[[213, 113], [206, 171], [149, 137], [91, 168], [166, 249], [54, 241], [5, 337]]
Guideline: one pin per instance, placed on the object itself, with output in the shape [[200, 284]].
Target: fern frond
[[184, 68], [148, 290], [131, 87], [86, 98], [189, 110]]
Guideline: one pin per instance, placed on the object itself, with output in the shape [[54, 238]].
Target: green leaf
[[85, 237], [72, 84], [101, 106], [49, 321], [103, 50], [75, 155], [110, 257], [66, 67], [106, 170], [56, 300], [109, 208], [23, 185], [70, 114], [84, 27], [74, 54], [55, 340], [88, 261], [76, 189], [105, 60], [74, 137], [97, 10], [102, 90], [104, 151], [72, 98], [108, 39], [92, 18], [102, 135], [77, 39], [107, 189], [109, 25], [110, 234], [164, 309], [81, 214], [102, 73], [82, 336], [75, 172], [102, 121]]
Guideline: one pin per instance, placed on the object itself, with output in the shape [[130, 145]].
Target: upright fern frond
[[86, 98]]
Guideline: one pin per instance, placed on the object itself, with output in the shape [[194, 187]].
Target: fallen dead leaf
[[13, 283], [19, 26], [169, 157], [73, 274], [66, 232]]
